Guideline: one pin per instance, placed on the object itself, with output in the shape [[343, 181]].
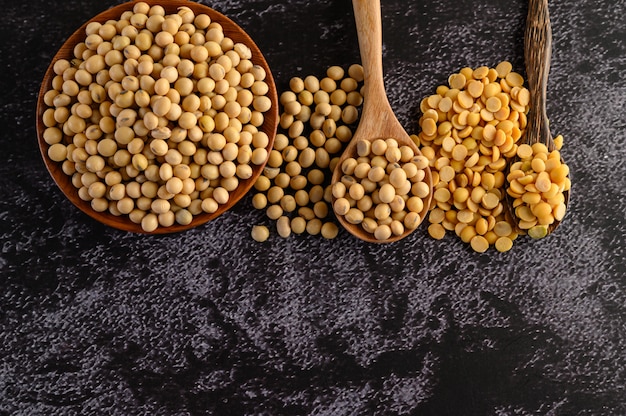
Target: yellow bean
[[436, 231], [479, 244], [503, 244], [260, 233]]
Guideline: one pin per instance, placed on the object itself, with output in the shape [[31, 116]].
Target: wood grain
[[232, 30], [537, 54]]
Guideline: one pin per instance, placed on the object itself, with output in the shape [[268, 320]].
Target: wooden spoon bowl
[[537, 55], [378, 120], [63, 181]]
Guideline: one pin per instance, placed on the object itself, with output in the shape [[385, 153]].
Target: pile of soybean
[[470, 130], [317, 121], [157, 116]]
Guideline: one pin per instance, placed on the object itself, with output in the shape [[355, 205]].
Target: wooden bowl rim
[[123, 222]]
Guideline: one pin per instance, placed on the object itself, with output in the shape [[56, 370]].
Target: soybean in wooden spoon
[[378, 120]]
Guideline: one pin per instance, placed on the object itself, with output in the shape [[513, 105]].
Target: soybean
[[139, 108], [386, 191], [260, 233], [316, 121]]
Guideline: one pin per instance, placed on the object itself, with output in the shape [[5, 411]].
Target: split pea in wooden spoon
[[377, 119], [537, 54]]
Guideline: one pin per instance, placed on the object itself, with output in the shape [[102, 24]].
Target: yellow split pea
[[537, 184], [469, 129]]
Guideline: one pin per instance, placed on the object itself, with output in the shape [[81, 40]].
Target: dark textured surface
[[97, 321]]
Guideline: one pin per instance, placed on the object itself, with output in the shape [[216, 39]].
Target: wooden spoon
[[377, 118], [232, 30], [537, 55]]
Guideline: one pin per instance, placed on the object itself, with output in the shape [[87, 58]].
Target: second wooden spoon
[[537, 55]]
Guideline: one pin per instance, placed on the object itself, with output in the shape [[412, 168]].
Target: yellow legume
[[503, 244], [537, 184], [479, 244], [260, 233], [315, 122], [436, 231], [329, 230], [152, 81], [475, 133]]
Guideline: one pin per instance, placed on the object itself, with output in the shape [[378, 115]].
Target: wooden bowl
[[63, 181]]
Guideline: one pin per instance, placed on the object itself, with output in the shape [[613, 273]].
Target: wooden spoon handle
[[367, 16], [537, 53]]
